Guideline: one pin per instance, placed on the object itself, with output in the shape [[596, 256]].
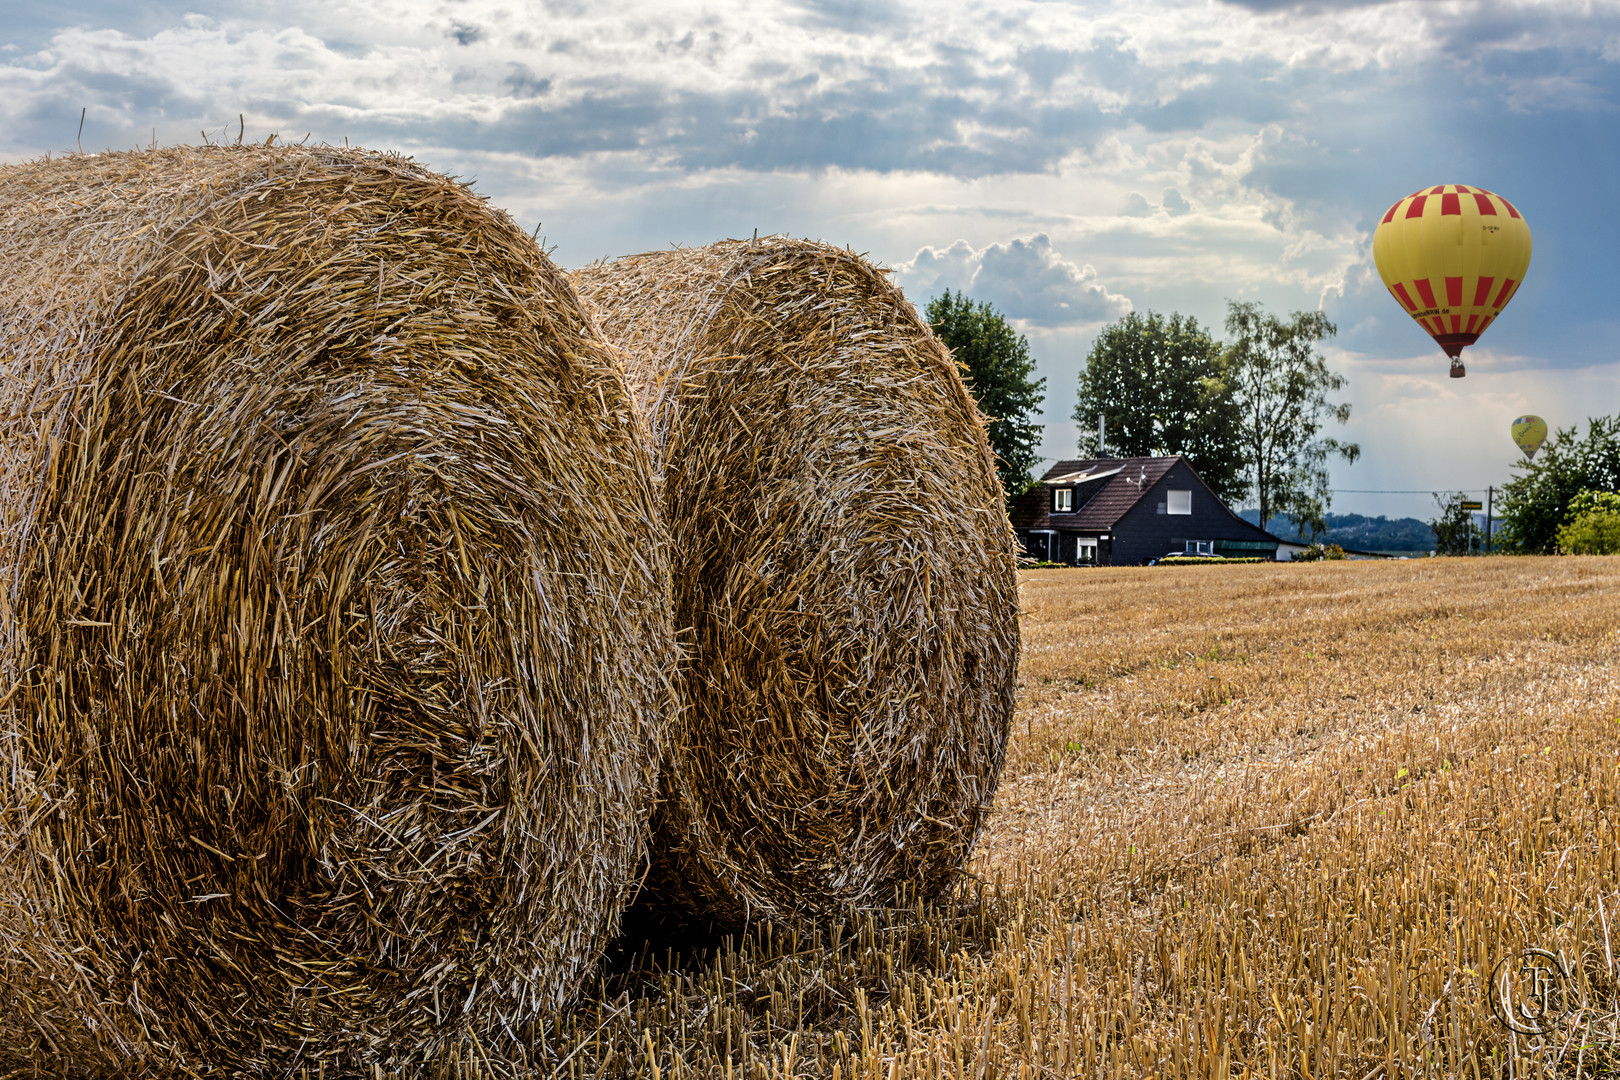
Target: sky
[[1066, 162]]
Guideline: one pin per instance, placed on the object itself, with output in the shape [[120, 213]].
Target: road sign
[[1472, 504]]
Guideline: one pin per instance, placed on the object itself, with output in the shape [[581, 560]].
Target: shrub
[[1592, 526], [1318, 552]]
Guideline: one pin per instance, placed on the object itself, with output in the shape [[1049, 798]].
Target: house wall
[[1058, 546], [1144, 533], [1037, 543], [1054, 546], [1070, 543]]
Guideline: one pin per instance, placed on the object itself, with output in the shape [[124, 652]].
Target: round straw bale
[[844, 571], [336, 619]]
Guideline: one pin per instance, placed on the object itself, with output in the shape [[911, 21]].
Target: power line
[[1414, 491]]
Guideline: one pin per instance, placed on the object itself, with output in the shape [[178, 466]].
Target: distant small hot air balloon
[[1528, 432], [1453, 256]]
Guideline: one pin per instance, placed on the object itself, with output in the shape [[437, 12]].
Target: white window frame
[[1178, 505], [1082, 546], [1063, 500]]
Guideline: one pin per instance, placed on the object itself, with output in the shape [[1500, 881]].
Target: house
[[1127, 511]]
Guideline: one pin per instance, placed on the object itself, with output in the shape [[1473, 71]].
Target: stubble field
[[1261, 820]]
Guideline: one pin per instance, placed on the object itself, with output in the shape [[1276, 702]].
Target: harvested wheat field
[[334, 674], [1270, 820]]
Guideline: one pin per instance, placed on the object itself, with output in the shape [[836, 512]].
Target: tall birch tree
[[1281, 385]]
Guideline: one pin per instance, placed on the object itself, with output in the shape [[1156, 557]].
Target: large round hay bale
[[843, 571], [336, 619]]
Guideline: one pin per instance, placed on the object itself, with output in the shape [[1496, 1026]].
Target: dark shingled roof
[[1124, 481], [1121, 491]]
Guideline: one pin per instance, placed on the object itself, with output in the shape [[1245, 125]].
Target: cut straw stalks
[[843, 573], [336, 620]]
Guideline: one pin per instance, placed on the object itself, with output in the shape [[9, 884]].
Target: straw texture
[[335, 620], [843, 570]]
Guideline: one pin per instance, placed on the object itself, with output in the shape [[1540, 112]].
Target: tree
[[1535, 503], [1454, 530], [1163, 388], [997, 369], [1593, 525], [1281, 384]]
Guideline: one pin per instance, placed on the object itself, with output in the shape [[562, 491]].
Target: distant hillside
[[1360, 532]]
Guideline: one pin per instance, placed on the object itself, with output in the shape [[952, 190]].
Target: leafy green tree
[[1536, 503], [997, 369], [1454, 530], [1162, 387], [1281, 386], [1593, 525]]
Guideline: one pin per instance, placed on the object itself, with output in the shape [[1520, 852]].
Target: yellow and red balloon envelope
[[1528, 433], [1453, 256]]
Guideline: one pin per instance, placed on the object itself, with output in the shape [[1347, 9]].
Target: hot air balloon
[[1453, 255], [1528, 432]]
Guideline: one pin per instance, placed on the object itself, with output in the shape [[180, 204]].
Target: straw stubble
[[336, 619], [842, 570]]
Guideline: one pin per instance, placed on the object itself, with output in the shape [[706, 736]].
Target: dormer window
[[1062, 500]]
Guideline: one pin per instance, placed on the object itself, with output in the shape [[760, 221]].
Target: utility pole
[[1490, 493]]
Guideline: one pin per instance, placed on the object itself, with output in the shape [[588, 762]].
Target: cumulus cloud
[[1135, 206], [933, 270], [1025, 278]]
